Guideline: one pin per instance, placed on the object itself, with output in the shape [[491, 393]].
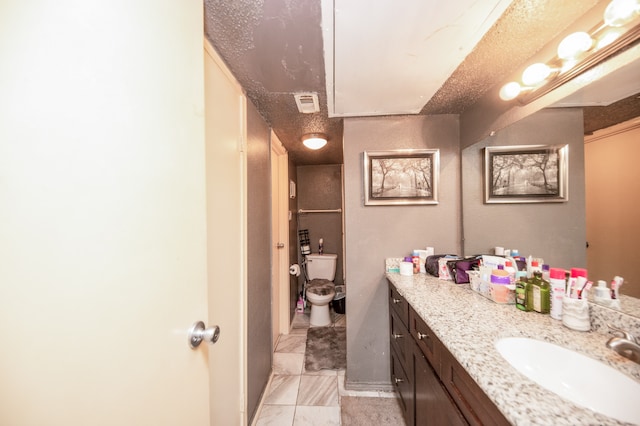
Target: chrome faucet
[[627, 345]]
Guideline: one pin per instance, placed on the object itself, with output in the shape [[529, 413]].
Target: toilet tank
[[322, 266]]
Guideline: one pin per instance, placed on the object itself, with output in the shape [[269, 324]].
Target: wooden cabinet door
[[433, 406], [404, 386]]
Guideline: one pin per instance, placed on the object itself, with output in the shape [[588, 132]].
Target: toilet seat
[[321, 287]]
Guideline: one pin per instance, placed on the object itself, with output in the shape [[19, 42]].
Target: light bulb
[[574, 45], [609, 37], [510, 91], [535, 74], [621, 12]]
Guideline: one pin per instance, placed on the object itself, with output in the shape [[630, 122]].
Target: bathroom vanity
[[447, 370]]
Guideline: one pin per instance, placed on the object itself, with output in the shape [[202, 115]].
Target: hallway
[[297, 397]]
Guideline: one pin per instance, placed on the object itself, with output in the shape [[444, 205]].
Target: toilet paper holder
[[294, 270]]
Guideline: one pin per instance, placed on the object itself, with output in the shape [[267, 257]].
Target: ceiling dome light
[[621, 12], [574, 45], [536, 74], [510, 91], [314, 140]]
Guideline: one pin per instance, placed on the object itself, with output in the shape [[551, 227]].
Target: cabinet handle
[[396, 300], [422, 336], [397, 336], [398, 380]]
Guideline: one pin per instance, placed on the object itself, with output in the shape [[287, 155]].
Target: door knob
[[280, 245], [198, 333]]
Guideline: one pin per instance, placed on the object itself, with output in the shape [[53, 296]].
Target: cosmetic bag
[[459, 268], [431, 263]]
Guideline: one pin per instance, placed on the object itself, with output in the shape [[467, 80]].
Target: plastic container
[[339, 303], [508, 266], [499, 293], [557, 291], [503, 293], [406, 267], [501, 289], [415, 259], [575, 314], [602, 291], [572, 283]]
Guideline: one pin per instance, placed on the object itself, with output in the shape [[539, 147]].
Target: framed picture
[[526, 174], [401, 177]]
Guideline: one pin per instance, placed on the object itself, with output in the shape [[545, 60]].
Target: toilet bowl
[[319, 293], [320, 290]]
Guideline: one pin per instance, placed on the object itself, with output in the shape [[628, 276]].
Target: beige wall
[[613, 206], [374, 233]]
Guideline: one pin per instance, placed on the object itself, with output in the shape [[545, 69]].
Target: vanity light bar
[[578, 52]]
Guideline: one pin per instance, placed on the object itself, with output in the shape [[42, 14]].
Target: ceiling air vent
[[307, 102]]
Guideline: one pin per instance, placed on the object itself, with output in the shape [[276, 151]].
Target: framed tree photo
[[401, 177], [526, 174]]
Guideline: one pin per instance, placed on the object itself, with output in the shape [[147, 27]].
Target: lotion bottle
[[557, 289], [521, 291], [539, 291], [508, 266]]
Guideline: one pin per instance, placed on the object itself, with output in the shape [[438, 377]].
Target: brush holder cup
[[575, 314]]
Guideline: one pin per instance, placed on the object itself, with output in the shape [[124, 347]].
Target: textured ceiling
[[275, 49]]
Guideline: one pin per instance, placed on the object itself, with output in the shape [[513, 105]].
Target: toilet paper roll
[[498, 251], [294, 270], [430, 251]]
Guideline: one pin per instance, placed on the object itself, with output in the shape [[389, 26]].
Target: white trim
[[613, 130]]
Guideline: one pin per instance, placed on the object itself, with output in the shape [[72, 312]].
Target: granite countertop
[[469, 325]]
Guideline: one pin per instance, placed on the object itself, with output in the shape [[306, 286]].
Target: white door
[[279, 240], [104, 256], [226, 238]]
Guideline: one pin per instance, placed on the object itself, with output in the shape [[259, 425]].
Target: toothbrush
[[577, 287], [582, 293], [616, 283]]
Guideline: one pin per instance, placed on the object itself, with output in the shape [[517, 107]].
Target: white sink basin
[[573, 376]]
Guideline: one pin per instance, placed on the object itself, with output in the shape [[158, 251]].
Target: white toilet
[[320, 290]]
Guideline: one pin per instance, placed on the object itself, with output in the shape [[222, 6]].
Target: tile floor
[[295, 397]]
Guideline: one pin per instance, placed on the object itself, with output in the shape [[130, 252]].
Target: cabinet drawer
[[399, 305], [426, 340], [474, 404], [398, 337]]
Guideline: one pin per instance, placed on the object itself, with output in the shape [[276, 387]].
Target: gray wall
[[374, 233], [259, 257], [320, 188], [554, 231]]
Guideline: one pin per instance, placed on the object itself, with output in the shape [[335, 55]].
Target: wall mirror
[[519, 225]]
